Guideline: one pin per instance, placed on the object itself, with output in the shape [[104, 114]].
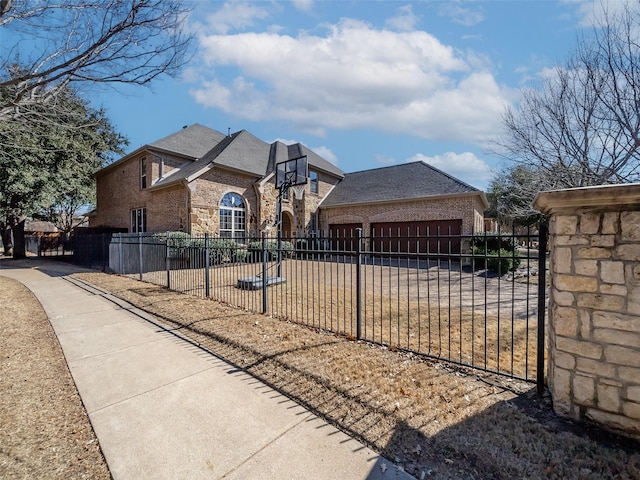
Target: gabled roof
[[408, 181], [241, 151], [281, 152], [192, 141], [245, 153]]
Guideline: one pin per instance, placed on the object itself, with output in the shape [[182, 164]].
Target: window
[[139, 220], [143, 172], [313, 181], [232, 217]]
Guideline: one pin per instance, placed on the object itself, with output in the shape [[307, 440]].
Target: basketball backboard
[[292, 172]]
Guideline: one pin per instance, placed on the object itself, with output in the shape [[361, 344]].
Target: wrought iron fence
[[475, 300], [48, 245]]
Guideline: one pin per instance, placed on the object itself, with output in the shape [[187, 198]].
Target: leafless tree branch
[[54, 44]]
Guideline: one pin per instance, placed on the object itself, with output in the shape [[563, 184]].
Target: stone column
[[594, 304]]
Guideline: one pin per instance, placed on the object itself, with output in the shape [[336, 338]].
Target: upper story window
[[232, 217], [139, 220], [143, 172], [313, 181]]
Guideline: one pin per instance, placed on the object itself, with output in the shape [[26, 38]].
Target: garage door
[[343, 235], [434, 237]]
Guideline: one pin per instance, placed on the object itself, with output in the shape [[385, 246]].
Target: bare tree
[[50, 44], [581, 127]]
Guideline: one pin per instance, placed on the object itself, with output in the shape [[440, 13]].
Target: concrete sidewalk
[[164, 408]]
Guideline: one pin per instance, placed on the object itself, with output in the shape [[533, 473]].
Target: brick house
[[404, 200], [199, 180]]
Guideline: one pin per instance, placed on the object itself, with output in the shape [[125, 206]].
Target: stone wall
[[207, 191], [594, 304]]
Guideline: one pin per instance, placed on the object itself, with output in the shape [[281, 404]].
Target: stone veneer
[[594, 304]]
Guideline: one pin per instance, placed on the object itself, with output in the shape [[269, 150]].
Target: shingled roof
[[192, 141], [281, 152], [407, 181]]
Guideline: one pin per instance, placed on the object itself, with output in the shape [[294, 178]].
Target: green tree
[[512, 191], [53, 161]]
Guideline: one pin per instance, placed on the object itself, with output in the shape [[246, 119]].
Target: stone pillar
[[594, 304]]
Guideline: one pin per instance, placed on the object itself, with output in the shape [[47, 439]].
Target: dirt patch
[[433, 420], [45, 431]]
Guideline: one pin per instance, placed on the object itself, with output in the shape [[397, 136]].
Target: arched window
[[232, 217]]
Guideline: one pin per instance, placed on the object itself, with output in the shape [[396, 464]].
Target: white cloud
[[326, 153], [594, 12], [405, 19], [385, 160], [463, 166], [461, 15], [235, 15], [355, 76], [303, 5]]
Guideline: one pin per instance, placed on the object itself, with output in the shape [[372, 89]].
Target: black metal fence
[[48, 245], [475, 300]]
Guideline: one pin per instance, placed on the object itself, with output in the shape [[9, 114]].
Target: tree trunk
[[5, 233], [19, 245]]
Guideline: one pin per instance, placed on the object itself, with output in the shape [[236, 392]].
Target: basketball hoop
[[298, 190]]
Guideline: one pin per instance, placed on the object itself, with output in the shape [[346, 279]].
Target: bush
[[495, 252], [221, 250], [225, 250], [502, 261], [494, 241], [255, 250], [178, 242]]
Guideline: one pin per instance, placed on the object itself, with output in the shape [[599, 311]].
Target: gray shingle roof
[[399, 182], [244, 152], [241, 151], [192, 141], [281, 152]]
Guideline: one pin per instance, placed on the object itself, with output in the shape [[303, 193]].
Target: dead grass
[[443, 312], [44, 429], [434, 420]]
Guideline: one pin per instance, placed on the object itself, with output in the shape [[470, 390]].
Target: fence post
[[168, 261], [206, 264], [542, 288], [359, 283], [264, 272], [120, 254], [140, 255]]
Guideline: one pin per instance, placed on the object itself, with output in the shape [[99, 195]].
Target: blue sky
[[365, 84]]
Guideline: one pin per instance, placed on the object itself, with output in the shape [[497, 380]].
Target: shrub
[[502, 261], [178, 242], [255, 250], [495, 252], [225, 250]]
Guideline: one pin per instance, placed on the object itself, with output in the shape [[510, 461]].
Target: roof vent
[[185, 127]]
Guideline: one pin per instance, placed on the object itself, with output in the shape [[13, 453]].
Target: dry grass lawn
[[434, 420], [441, 311], [44, 429]]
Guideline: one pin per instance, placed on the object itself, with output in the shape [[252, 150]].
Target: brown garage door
[[343, 235], [432, 237]]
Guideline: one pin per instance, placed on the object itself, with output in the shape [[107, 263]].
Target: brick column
[[594, 304]]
